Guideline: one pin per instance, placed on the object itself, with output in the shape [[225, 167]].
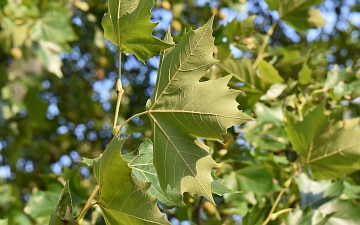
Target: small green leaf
[[218, 187], [49, 54], [268, 73], [239, 29], [182, 109], [253, 178], [90, 162], [63, 212], [305, 74], [127, 25], [124, 199], [53, 26], [298, 14]]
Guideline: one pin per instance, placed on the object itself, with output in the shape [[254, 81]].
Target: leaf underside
[[124, 199], [183, 109]]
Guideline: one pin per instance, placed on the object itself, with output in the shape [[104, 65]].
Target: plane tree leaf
[[328, 148], [63, 212], [298, 14], [141, 162], [182, 109], [127, 25], [123, 199]]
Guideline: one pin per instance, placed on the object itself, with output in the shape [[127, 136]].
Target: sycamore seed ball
[[209, 208], [222, 15], [16, 53], [166, 5], [214, 11], [176, 25]]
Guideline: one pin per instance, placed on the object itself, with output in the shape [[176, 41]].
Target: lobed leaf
[[123, 199], [63, 212], [329, 148], [183, 109], [127, 25]]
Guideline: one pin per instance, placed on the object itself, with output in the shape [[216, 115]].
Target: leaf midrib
[[174, 146], [181, 64]]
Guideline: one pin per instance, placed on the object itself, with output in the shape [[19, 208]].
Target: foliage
[[190, 158]]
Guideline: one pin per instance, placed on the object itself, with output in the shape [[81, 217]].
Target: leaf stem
[[132, 117], [88, 203], [264, 44], [119, 91], [273, 215], [198, 209]]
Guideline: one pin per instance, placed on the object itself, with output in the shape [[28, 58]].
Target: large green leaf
[[64, 209], [182, 109], [329, 148], [127, 25], [124, 199], [141, 162], [298, 13]]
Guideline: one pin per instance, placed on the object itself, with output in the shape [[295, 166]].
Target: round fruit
[[100, 74], [222, 16], [166, 5], [209, 208], [176, 25], [214, 11], [16, 53], [102, 61]]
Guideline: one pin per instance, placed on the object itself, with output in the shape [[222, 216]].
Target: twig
[[271, 215], [265, 42], [119, 91], [88, 203], [198, 209]]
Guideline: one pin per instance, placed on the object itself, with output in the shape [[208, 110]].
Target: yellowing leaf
[[127, 25], [124, 199], [182, 109]]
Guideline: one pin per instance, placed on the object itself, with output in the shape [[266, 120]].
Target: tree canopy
[[179, 112]]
